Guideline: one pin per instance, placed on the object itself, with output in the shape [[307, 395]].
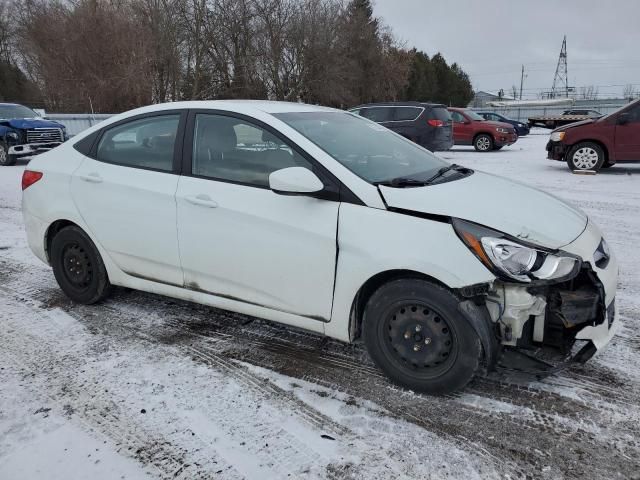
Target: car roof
[[10, 104], [400, 104], [266, 106]]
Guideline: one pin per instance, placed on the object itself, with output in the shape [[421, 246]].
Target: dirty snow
[[144, 386]]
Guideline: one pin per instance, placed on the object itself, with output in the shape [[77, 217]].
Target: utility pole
[[521, 81]]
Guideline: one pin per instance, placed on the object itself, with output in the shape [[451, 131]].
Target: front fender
[[373, 241]]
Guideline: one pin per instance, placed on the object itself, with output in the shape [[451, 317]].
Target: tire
[[586, 156], [78, 267], [6, 160], [483, 143], [415, 334]]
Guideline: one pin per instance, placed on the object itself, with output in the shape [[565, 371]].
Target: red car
[[599, 142], [469, 128]]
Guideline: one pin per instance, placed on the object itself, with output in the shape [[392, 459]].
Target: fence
[[521, 114], [76, 123]]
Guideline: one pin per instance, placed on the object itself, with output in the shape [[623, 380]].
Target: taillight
[[435, 123], [29, 177]]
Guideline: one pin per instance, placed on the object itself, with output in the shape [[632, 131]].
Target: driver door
[[628, 136]]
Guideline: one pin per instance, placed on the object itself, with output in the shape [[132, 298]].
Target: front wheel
[[483, 143], [586, 156], [78, 267], [6, 160], [415, 334]]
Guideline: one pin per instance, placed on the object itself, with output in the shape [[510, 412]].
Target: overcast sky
[[491, 39]]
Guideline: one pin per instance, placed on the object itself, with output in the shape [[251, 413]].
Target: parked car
[[587, 113], [427, 124], [522, 129], [321, 219], [469, 128], [23, 133], [598, 143], [567, 117]]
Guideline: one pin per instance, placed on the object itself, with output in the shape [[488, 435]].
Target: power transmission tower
[[561, 79]]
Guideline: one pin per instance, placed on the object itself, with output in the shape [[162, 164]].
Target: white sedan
[[322, 220]]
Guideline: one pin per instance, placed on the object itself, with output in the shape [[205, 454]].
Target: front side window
[[371, 151], [231, 149], [144, 143], [458, 117]]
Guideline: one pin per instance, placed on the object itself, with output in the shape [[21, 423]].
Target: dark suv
[[427, 124]]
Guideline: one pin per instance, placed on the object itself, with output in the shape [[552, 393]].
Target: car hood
[[26, 123], [495, 202], [575, 124]]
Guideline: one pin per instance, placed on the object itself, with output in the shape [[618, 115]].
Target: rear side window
[[145, 143], [439, 113], [406, 114], [377, 114]]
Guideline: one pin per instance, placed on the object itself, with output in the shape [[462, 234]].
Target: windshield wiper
[[401, 182], [442, 171]]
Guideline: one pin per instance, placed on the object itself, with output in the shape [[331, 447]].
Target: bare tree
[[589, 92], [629, 92]]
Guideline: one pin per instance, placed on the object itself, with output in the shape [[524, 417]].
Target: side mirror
[[623, 119], [295, 181]]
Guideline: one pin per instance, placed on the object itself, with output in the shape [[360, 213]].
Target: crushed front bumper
[[545, 328], [556, 150], [28, 149]]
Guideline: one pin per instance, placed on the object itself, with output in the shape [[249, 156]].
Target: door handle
[[92, 177], [201, 200]]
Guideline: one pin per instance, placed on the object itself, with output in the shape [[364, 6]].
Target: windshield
[[615, 112], [473, 115], [369, 150], [16, 111]]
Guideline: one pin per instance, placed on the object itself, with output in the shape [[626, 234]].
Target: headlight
[[502, 130], [511, 259], [13, 135], [557, 136]]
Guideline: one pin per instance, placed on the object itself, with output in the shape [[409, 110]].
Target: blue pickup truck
[[23, 133]]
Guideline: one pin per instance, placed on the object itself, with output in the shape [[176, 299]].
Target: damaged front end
[[548, 308], [543, 328]]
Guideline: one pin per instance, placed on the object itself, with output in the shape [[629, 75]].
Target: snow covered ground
[[148, 387]]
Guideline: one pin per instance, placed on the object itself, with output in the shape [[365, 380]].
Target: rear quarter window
[[406, 114]]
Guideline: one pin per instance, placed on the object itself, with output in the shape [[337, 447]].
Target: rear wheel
[[586, 156], [78, 267], [483, 143], [6, 159], [415, 334]]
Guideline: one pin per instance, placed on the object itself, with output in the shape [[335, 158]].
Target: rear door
[[462, 128], [628, 136], [125, 192]]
